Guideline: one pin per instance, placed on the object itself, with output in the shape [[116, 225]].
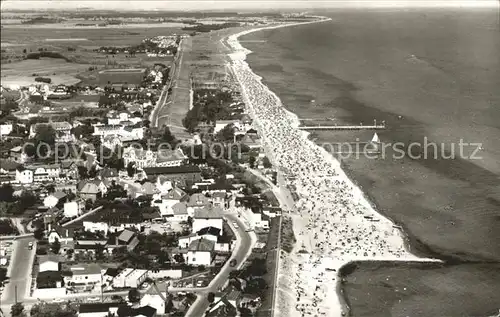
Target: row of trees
[[45, 310]]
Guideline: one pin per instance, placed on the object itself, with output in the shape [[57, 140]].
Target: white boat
[[375, 138]]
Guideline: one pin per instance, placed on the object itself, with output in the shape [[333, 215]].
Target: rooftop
[[98, 307], [86, 269], [203, 245], [185, 169], [206, 214]]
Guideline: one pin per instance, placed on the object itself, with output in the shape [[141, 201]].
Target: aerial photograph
[[267, 158]]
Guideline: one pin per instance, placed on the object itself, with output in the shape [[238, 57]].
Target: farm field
[[21, 73], [94, 36]]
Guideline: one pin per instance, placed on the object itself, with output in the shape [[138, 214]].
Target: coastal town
[[110, 207], [146, 170]]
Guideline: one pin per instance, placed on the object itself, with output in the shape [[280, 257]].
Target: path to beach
[[333, 222]]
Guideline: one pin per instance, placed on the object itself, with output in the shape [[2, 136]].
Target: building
[[129, 239], [200, 252], [123, 132], [23, 175], [38, 173], [53, 199], [219, 199], [99, 309], [209, 233], [130, 278], [180, 212], [84, 277], [128, 77], [73, 209], [175, 173], [6, 129], [165, 158], [207, 218], [62, 129], [48, 263], [17, 155], [90, 191], [221, 124]]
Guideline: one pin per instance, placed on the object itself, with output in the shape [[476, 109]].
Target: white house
[[84, 276], [24, 176], [204, 218], [53, 199], [200, 252], [95, 226], [64, 236], [5, 129], [48, 263], [221, 124], [72, 209], [254, 218], [209, 233], [130, 278]]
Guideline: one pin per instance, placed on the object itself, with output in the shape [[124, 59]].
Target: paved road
[[157, 111], [19, 271], [281, 191], [241, 253]]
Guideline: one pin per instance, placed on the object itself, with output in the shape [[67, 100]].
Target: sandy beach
[[333, 222]]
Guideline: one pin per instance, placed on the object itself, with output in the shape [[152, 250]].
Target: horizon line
[[66, 5]]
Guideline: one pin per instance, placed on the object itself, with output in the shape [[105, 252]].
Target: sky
[[236, 4]]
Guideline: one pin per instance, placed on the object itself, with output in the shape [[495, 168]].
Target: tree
[[6, 193], [167, 137], [245, 312], [82, 172], [17, 310], [53, 310], [50, 188], [179, 258], [56, 246], [99, 252], [46, 134], [251, 161], [266, 163], [211, 297], [134, 296], [38, 233], [130, 169], [226, 134]]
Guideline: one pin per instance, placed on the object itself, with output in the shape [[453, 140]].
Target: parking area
[[165, 227]]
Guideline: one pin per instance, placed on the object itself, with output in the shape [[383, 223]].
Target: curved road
[[242, 250]]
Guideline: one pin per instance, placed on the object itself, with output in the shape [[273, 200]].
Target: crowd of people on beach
[[333, 222]]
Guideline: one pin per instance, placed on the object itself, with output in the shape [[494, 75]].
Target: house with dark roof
[[49, 263], [99, 309], [108, 173], [207, 217], [89, 191], [183, 173], [65, 236], [128, 238], [200, 252], [17, 155]]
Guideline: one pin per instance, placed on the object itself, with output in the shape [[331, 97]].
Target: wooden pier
[[342, 127], [373, 126]]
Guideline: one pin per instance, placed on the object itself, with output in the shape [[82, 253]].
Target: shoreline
[[238, 55]]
